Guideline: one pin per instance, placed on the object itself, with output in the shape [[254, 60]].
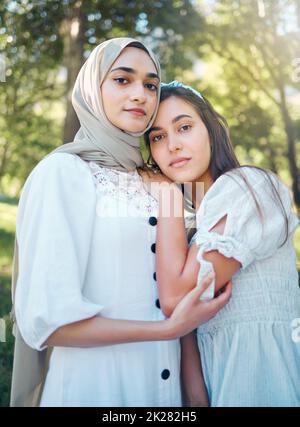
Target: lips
[[139, 112], [180, 161]]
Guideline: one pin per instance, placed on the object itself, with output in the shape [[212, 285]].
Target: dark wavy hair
[[223, 158], [138, 45]]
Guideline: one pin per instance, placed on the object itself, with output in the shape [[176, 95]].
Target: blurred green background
[[243, 55]]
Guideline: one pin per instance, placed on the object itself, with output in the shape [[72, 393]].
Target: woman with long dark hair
[[245, 226]]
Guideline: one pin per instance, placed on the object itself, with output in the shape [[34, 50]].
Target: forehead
[[172, 107], [135, 58]]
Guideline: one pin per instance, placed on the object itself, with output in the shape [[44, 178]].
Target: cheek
[[153, 152], [203, 150], [208, 153], [109, 93], [105, 97], [157, 155], [152, 103]]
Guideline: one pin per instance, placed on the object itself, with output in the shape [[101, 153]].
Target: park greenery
[[243, 55]]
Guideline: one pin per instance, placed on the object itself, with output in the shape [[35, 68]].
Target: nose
[[138, 93], [174, 143]]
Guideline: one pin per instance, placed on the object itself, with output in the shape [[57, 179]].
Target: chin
[[181, 177], [134, 127]]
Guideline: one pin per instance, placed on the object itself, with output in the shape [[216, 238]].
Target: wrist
[[168, 330]]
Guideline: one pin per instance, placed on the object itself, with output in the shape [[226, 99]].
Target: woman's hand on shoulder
[[149, 175], [155, 182]]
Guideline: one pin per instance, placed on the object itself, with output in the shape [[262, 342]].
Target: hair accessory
[[175, 84]]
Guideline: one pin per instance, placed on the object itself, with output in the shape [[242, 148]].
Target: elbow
[[166, 296], [171, 293], [167, 305], [167, 311]]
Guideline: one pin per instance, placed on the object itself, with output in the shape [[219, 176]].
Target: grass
[[8, 211], [6, 361], [7, 232]]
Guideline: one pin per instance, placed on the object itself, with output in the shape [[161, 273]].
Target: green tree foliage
[[44, 39], [26, 130], [246, 50], [256, 42]]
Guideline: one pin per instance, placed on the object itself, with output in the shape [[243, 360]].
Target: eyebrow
[[132, 71], [175, 120]]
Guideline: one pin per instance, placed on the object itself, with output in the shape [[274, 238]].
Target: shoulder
[[246, 180], [61, 162], [59, 174], [60, 186], [149, 175], [251, 191], [245, 175], [60, 167], [243, 189]]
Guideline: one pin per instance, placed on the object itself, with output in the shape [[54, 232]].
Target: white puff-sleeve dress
[[248, 353], [86, 239]]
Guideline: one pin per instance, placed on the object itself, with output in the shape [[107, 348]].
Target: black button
[[154, 276], [165, 374], [153, 247], [152, 220], [157, 303]]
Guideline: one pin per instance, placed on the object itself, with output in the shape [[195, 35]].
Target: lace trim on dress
[[127, 186]]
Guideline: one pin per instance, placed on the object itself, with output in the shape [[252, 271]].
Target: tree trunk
[[272, 157], [73, 28], [288, 126]]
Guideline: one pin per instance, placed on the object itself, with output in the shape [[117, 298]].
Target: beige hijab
[[98, 139]]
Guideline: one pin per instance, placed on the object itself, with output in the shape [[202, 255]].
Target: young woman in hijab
[[86, 269], [245, 226]]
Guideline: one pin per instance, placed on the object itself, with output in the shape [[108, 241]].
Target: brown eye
[[151, 87], [121, 80], [156, 138], [185, 128]]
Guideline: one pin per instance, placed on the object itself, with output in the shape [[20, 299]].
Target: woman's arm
[[193, 386], [176, 265], [98, 331]]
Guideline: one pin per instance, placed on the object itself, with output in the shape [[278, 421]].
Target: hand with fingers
[[192, 312]]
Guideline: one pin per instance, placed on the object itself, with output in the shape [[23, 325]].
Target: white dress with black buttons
[[86, 246]]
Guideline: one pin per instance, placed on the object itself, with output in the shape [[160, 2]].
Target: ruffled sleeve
[[254, 230], [54, 230]]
